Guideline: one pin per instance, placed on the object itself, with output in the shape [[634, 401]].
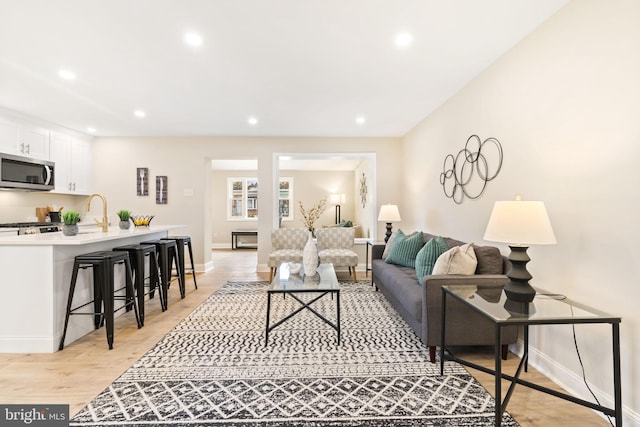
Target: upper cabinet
[[24, 140], [72, 156]]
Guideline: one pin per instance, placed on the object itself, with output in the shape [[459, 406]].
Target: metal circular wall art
[[466, 174]]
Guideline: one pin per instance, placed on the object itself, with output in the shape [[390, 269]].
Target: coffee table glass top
[[545, 308], [324, 280]]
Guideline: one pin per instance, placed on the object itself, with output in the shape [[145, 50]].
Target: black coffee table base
[[304, 305]]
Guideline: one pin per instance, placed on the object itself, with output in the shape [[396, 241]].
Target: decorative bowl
[[141, 220], [294, 267]]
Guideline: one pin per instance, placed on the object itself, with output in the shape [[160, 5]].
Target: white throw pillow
[[457, 260]]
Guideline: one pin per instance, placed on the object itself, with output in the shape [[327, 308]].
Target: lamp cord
[[575, 343]]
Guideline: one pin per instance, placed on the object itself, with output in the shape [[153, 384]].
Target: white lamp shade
[[389, 213], [336, 198], [520, 222]]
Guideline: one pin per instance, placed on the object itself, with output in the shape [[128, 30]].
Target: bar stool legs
[[103, 264], [137, 256], [181, 242], [166, 250]]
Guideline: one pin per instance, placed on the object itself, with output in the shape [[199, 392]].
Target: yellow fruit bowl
[[141, 220]]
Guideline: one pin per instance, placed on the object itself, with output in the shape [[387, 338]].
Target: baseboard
[[203, 268], [573, 383]]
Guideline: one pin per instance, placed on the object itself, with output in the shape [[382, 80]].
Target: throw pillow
[[405, 249], [457, 260], [389, 245], [426, 258], [489, 260]]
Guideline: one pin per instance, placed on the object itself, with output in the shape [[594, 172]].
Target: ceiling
[[300, 67]]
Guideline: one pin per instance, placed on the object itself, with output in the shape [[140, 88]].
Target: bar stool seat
[[181, 242], [166, 251], [104, 294], [137, 256]]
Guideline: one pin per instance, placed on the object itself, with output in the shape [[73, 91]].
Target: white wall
[[565, 104], [187, 163]]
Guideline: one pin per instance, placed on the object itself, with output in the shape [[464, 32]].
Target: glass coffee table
[[324, 282]]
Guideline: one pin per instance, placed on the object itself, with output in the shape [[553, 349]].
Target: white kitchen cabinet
[[24, 140], [72, 157], [9, 137]]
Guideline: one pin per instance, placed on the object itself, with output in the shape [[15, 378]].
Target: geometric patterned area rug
[[213, 369]]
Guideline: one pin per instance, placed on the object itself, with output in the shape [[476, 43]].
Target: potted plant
[[124, 216], [70, 221]]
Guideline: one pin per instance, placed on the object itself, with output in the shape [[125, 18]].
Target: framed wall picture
[[161, 190], [142, 181]]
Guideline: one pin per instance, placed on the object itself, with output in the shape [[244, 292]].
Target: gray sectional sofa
[[419, 304]]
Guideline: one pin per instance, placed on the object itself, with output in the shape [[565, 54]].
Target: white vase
[[310, 257]]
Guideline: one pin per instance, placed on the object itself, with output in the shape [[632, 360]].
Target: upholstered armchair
[[287, 245], [337, 246]]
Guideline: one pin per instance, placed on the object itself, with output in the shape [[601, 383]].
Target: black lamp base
[[388, 233], [518, 287]]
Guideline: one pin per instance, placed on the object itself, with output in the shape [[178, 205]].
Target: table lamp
[[337, 199], [388, 214], [520, 224]]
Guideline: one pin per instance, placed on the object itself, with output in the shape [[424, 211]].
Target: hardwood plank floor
[[84, 368]]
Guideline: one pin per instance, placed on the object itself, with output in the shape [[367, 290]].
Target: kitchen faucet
[[105, 222]]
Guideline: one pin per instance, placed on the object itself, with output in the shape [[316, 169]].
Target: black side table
[[544, 310], [370, 242]]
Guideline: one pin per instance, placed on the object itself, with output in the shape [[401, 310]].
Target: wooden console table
[[234, 239], [493, 304]]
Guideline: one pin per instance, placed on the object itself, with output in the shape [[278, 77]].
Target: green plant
[[70, 217], [124, 215]]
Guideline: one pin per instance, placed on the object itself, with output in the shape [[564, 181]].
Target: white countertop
[[85, 236]]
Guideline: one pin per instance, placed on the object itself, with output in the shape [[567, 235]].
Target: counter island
[[35, 278]]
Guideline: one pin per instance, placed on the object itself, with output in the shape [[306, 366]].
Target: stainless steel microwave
[[24, 173]]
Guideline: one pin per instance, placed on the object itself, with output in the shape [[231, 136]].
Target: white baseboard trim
[[221, 246], [573, 383], [203, 268]]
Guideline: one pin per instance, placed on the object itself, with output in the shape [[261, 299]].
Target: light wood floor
[[84, 368]]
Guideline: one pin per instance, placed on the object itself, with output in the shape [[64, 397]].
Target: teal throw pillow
[[405, 249], [426, 258]]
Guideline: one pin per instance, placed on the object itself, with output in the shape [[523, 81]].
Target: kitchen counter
[[87, 235], [35, 278]]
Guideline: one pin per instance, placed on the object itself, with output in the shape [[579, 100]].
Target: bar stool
[[103, 264], [181, 242], [166, 250], [137, 256]]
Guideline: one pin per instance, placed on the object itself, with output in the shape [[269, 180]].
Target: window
[[243, 199], [242, 194], [285, 199]]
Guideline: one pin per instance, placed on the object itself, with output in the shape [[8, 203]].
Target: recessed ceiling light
[[193, 39], [91, 130], [404, 39], [66, 74], [253, 121], [360, 120], [139, 113]]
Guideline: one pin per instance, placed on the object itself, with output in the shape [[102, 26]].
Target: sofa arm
[[377, 251], [432, 303]]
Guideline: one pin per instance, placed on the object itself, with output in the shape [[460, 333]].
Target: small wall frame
[[161, 190]]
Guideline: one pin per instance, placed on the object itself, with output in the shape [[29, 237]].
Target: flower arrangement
[[309, 217]]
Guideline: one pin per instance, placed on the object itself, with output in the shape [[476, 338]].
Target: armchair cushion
[[337, 246], [287, 245]]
